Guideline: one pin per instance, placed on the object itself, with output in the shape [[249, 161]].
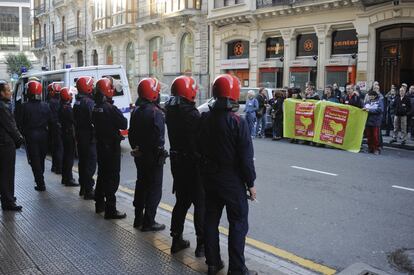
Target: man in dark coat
[[182, 119], [55, 130], [352, 97], [402, 106], [10, 139], [228, 174]]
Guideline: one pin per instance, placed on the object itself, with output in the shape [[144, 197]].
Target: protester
[[402, 105], [352, 97], [251, 107], [329, 95], [411, 115], [374, 107], [336, 92], [276, 105], [390, 109], [261, 113], [311, 93]]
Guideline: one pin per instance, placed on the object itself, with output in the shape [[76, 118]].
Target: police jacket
[[66, 118], [35, 116], [9, 134], [183, 120], [54, 105], [226, 147], [147, 129], [108, 121], [82, 112]]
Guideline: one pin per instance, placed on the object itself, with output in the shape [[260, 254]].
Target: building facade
[[15, 32], [147, 37], [286, 43]]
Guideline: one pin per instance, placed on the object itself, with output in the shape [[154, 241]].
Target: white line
[[312, 170], [403, 188]]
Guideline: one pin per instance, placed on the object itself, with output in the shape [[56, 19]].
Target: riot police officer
[[228, 174], [108, 121], [55, 131], [10, 139], [146, 137], [34, 120], [85, 136], [68, 136], [182, 119]]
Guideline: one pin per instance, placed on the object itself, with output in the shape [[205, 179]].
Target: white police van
[[68, 77]]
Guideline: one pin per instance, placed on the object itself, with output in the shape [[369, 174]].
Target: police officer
[[68, 136], [82, 110], [228, 174], [55, 133], [108, 121], [146, 137], [35, 117], [10, 139], [182, 119]]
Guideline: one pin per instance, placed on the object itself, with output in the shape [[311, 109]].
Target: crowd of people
[[211, 155], [392, 111]]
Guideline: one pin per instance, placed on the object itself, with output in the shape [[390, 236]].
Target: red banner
[[305, 119], [334, 123]]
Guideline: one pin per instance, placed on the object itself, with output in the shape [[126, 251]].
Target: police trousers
[[87, 163], [36, 146], [68, 155], [7, 171]]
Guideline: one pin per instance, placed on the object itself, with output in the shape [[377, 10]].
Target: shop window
[[238, 49], [79, 58], [307, 45], [109, 56], [95, 58], [156, 57]]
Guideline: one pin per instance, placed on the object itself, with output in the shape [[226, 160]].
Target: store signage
[[271, 64], [344, 42], [274, 47], [305, 62], [346, 61], [228, 64], [307, 45], [238, 49]]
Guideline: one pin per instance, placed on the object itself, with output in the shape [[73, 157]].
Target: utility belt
[[185, 156], [160, 154]]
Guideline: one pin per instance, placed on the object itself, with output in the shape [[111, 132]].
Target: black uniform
[[55, 135], [35, 117], [86, 142], [183, 120], [10, 139], [147, 132], [227, 171], [68, 141], [108, 121]]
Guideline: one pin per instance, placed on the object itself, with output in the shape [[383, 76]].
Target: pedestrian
[[352, 97], [276, 105], [402, 105], [183, 120], [34, 120], [108, 121], [328, 95], [228, 173], [68, 136], [10, 139], [310, 93], [55, 131], [251, 107], [374, 107], [146, 137], [410, 118], [336, 92], [85, 136], [261, 113], [390, 110]]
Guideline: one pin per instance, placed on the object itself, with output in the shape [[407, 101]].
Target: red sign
[[334, 124], [305, 119]]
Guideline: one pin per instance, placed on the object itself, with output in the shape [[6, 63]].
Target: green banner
[[337, 125]]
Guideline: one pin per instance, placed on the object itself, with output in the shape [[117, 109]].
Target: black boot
[[11, 207], [81, 191], [179, 243], [114, 215], [70, 183], [199, 252], [89, 195], [40, 187], [214, 269], [99, 207], [154, 227], [139, 218], [244, 272]]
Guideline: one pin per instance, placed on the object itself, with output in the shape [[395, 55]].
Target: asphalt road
[[346, 211]]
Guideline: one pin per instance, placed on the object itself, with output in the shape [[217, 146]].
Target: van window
[[117, 84]]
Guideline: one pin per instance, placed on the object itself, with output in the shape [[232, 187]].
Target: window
[[63, 58], [99, 15], [187, 53], [307, 45], [274, 47], [156, 57], [9, 28], [130, 61], [109, 56], [94, 57], [238, 49], [79, 58], [117, 83]]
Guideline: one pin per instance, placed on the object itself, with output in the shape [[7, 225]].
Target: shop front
[[271, 70], [237, 62]]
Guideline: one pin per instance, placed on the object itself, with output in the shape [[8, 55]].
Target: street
[[329, 206]]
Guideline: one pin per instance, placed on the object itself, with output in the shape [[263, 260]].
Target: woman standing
[[252, 105], [276, 104]]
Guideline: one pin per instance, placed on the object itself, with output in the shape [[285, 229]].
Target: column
[[20, 29], [289, 53], [321, 32]]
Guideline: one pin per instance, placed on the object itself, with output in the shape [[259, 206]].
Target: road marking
[[257, 244], [403, 188], [313, 170]]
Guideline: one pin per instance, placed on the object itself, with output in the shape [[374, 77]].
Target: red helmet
[[65, 94], [34, 88], [84, 84], [184, 86], [104, 87], [149, 88], [53, 89], [227, 86]]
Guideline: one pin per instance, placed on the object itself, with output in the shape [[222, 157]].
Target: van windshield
[[119, 91]]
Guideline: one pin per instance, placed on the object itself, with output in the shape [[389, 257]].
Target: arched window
[[79, 58], [187, 53], [156, 57], [130, 61], [94, 57], [109, 56]]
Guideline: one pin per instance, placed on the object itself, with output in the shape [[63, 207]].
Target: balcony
[[271, 3], [38, 43], [39, 10], [58, 37], [59, 3], [75, 34]]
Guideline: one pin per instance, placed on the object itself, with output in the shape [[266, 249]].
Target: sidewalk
[[409, 145], [59, 233]]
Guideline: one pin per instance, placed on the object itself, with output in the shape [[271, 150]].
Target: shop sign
[[274, 47], [228, 64], [238, 49], [307, 45], [344, 42], [271, 64]]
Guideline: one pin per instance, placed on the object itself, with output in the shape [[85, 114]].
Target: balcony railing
[[57, 3], [75, 33], [124, 17], [39, 10], [58, 37], [272, 3], [38, 43]]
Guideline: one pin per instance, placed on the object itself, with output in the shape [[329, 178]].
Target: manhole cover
[[403, 260]]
